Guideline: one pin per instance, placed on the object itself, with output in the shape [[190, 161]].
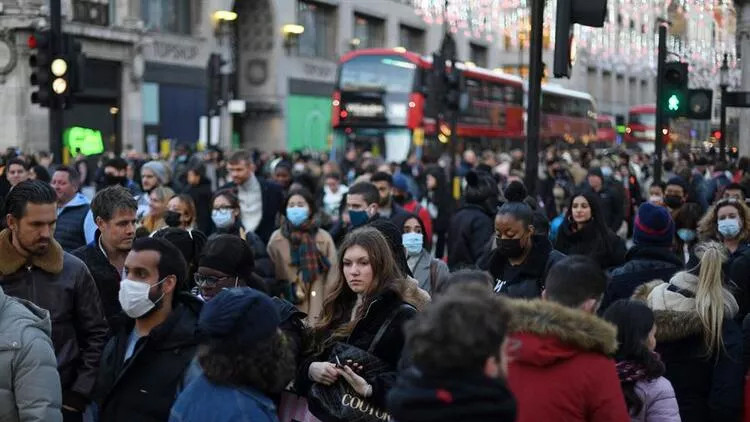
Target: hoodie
[[75, 224], [562, 371]]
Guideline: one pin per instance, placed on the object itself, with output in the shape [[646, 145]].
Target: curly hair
[[267, 366], [708, 225], [336, 322]]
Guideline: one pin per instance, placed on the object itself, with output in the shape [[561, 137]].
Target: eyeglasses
[[207, 281]]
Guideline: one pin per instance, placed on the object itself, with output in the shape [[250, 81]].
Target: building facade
[[145, 75]]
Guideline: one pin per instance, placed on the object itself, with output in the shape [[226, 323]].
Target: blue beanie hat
[[242, 313], [400, 182], [653, 226]]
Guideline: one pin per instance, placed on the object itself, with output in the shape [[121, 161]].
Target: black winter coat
[[272, 197], [389, 348], [529, 280], [201, 195], [471, 229], [107, 281], [737, 269], [418, 397], [643, 264], [708, 388], [145, 387], [607, 249], [613, 204]]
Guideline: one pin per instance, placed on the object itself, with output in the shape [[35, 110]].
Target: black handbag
[[339, 402]]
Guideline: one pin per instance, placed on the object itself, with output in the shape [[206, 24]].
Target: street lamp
[[723, 84]]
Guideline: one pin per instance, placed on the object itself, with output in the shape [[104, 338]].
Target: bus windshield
[[645, 119], [389, 74]]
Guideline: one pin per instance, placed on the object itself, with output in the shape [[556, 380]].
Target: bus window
[[391, 74]]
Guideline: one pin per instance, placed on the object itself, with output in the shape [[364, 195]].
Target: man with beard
[[114, 213], [116, 174], [34, 267], [387, 206], [144, 364]]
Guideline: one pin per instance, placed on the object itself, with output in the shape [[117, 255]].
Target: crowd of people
[[294, 287]]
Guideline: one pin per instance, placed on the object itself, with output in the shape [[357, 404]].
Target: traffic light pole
[[660, 117], [56, 109], [535, 97], [723, 126]]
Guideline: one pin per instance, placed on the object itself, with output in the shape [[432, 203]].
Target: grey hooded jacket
[[29, 383]]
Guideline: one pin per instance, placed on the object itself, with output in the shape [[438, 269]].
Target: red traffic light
[[717, 134], [31, 42]]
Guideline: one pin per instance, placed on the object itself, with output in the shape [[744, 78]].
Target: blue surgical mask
[[297, 215], [222, 218], [729, 227], [606, 171], [686, 235], [358, 218], [412, 242]]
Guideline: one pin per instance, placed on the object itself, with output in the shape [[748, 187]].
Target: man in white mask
[[144, 362]]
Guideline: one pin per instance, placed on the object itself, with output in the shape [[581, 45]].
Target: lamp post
[[224, 20], [724, 84]]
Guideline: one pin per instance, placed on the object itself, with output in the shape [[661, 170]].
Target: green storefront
[[308, 116]]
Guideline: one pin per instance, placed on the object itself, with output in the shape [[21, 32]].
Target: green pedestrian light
[[674, 103]]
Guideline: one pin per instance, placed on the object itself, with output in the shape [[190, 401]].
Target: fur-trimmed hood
[[409, 291], [12, 261], [550, 332]]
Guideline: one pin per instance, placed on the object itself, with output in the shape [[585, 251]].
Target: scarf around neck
[[304, 252]]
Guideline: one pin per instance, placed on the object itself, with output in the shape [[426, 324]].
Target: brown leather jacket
[[61, 284]]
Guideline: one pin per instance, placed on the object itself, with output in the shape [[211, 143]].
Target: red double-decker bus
[[641, 130], [379, 103]]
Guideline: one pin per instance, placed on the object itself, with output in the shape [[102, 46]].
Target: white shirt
[[251, 203], [332, 200]]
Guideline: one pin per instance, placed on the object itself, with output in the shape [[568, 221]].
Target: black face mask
[[112, 180], [172, 218], [399, 199], [510, 248], [673, 201]]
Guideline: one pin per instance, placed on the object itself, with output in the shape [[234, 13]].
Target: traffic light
[[40, 60], [716, 135], [700, 102], [77, 60], [584, 12], [674, 103], [454, 88]]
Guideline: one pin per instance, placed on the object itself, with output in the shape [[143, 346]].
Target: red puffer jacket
[[562, 371]]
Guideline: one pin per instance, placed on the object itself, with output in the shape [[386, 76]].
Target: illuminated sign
[[365, 110], [88, 140]]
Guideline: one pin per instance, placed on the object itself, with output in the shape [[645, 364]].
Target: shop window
[[172, 16], [319, 38]]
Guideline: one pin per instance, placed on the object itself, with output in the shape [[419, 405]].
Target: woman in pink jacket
[[648, 395]]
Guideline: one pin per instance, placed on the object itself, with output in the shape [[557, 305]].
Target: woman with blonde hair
[[728, 221], [365, 310], [158, 199], [698, 339]]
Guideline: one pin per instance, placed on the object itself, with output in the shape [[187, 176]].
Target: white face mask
[[134, 297]]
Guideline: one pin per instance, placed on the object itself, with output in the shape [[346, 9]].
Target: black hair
[[634, 320], [109, 200], [515, 194], [679, 181], [171, 261], [198, 169], [118, 163], [736, 186], [540, 223], [660, 184], [19, 162], [368, 191], [382, 176], [438, 338], [393, 235], [229, 194], [304, 193], [481, 189], [464, 277], [575, 279], [33, 191], [42, 174], [333, 175], [305, 180], [190, 243], [73, 176], [400, 219]]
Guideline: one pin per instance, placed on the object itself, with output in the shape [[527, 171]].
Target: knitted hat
[[160, 169], [241, 313], [229, 254], [400, 182], [653, 226]]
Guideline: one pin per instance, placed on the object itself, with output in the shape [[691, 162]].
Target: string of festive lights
[[701, 31]]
